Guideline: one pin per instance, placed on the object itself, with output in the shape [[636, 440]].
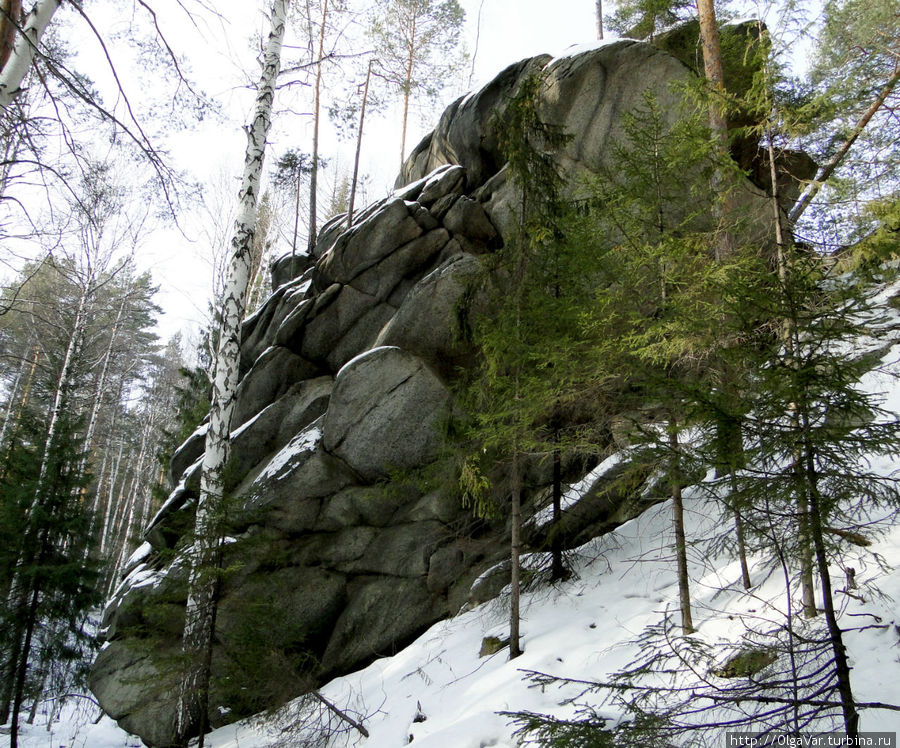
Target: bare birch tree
[[204, 553]]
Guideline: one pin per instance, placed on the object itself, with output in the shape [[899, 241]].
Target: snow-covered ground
[[74, 728], [439, 693]]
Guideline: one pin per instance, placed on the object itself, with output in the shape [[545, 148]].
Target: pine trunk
[[827, 169], [202, 584], [11, 17], [714, 72]]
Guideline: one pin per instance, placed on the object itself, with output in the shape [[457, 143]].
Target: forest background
[[116, 188]]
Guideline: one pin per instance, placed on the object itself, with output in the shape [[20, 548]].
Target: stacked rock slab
[[346, 383]]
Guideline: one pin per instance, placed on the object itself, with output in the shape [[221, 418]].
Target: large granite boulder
[[347, 536], [385, 413]]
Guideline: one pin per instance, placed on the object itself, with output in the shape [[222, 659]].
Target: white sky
[[221, 56], [510, 30]]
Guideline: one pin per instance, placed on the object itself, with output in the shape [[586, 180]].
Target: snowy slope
[[440, 693], [585, 628]]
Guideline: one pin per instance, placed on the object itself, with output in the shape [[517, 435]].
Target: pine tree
[[811, 423], [416, 44], [644, 19], [656, 314]]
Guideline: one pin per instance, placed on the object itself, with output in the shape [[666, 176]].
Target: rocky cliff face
[[346, 385]]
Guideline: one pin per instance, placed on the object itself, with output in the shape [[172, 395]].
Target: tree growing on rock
[[417, 47]]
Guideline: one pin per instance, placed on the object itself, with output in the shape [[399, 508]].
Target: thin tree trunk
[[829, 166], [27, 391], [24, 49], [27, 601], [557, 568], [477, 43], [807, 585], [515, 552], [359, 137], [599, 19], [296, 214], [358, 726], [314, 173], [742, 549], [735, 443], [407, 87], [684, 592], [109, 518], [22, 669], [61, 387], [841, 663], [203, 554], [14, 390], [32, 713], [131, 503], [101, 387]]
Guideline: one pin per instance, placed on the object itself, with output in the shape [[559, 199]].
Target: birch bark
[[24, 49], [202, 585]]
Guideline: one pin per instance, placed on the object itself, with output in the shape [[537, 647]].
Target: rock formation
[[346, 374]]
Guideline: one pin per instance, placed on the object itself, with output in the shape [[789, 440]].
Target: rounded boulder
[[385, 413]]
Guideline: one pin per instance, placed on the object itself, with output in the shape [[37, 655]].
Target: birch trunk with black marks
[[24, 49], [203, 580], [101, 386]]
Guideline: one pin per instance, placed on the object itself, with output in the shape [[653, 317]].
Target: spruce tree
[[811, 426], [525, 341], [49, 573], [657, 313]]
